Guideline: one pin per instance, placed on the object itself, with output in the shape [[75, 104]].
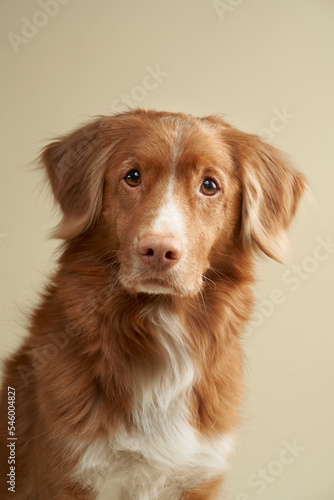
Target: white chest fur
[[163, 454]]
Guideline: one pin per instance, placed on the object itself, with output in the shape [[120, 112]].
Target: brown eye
[[209, 187], [133, 178]]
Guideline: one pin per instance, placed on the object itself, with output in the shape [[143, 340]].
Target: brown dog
[[133, 367]]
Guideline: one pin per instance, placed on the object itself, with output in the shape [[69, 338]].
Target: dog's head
[[172, 196]]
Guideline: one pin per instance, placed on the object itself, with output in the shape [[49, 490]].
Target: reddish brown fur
[[101, 330]]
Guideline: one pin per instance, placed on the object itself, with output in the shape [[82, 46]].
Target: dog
[[133, 370]]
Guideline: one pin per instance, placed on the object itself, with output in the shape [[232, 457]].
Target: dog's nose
[[159, 252]]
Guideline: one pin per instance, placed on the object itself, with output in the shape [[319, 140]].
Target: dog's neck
[[139, 348]]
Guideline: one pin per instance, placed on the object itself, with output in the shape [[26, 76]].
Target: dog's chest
[[162, 453], [158, 459]]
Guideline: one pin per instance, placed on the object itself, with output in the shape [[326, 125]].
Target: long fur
[[125, 383]]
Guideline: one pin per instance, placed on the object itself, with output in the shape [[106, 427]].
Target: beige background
[[253, 61]]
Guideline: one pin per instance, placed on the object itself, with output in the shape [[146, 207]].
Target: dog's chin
[[154, 286], [152, 289]]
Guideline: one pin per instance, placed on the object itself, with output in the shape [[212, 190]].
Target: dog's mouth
[[170, 282], [157, 282], [156, 286]]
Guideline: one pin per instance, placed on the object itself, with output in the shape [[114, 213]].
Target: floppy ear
[[272, 190], [76, 165]]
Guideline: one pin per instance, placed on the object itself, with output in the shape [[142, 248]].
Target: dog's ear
[[75, 166], [271, 191]]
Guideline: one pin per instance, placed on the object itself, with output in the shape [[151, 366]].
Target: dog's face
[[176, 195], [170, 198]]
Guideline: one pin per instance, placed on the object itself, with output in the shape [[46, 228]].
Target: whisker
[[210, 280], [204, 305]]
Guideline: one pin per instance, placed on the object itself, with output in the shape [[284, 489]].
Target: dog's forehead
[[175, 141]]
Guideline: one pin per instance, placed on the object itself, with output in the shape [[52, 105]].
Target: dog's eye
[[209, 187], [133, 178]]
